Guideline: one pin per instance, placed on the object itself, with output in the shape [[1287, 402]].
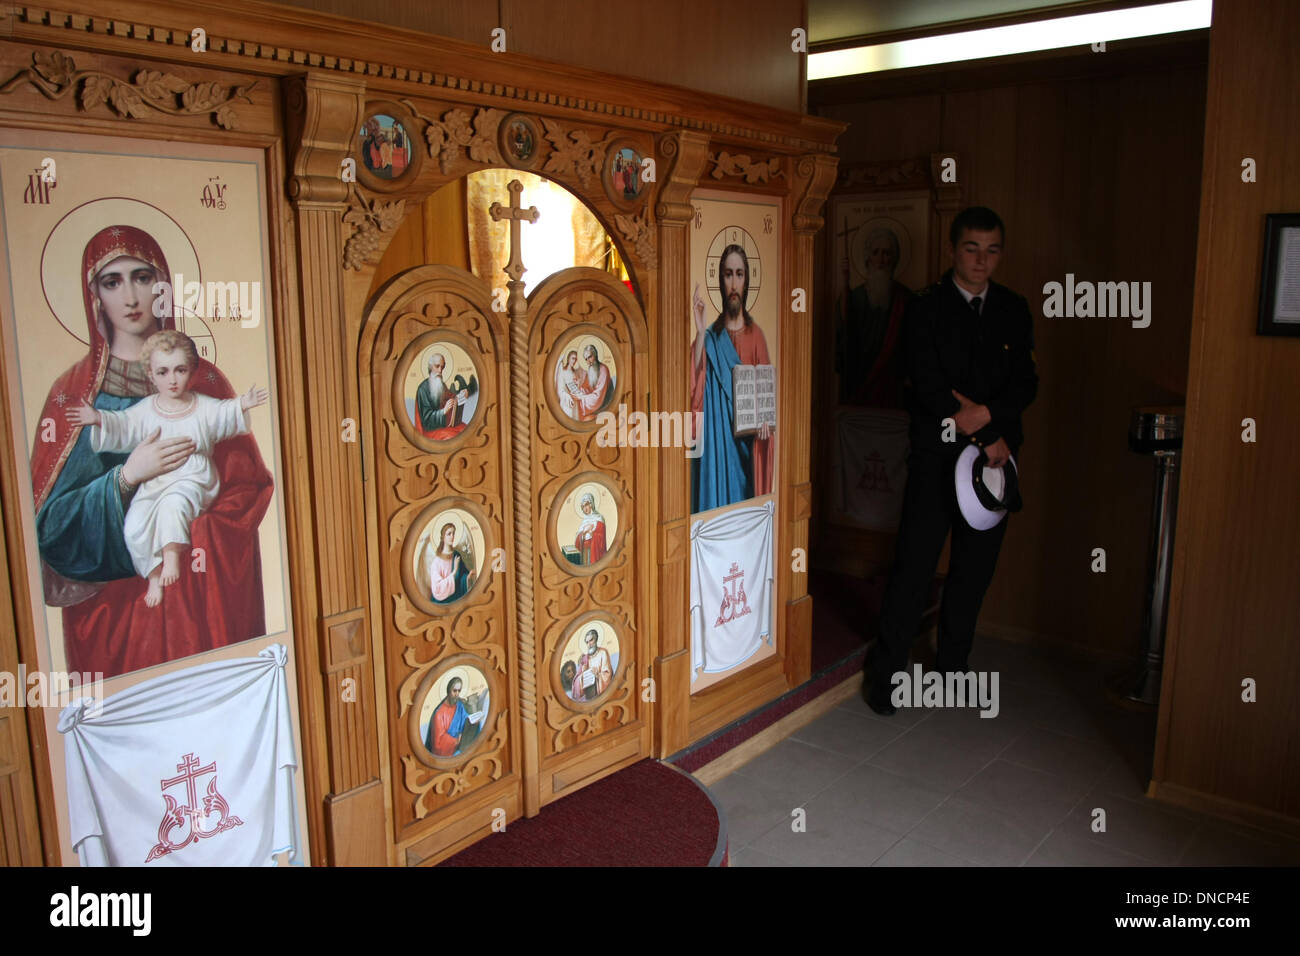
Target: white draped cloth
[[731, 588], [194, 768], [870, 466]]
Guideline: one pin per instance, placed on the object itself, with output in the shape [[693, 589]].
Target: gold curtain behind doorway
[[565, 235]]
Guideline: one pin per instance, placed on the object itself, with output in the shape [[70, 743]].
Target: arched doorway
[[509, 544]]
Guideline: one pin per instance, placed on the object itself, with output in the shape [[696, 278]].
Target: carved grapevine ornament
[[637, 230], [370, 219], [456, 131], [55, 75], [574, 151], [752, 170], [884, 174]]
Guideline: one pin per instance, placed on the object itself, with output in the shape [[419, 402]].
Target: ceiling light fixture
[[1086, 28]]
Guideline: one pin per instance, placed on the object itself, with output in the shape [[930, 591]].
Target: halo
[[592, 489], [462, 519], [61, 277], [858, 247], [428, 357], [750, 245]]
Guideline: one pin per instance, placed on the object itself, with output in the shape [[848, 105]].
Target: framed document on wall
[[1279, 291]]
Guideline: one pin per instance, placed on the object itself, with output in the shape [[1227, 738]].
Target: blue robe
[[723, 473], [460, 576], [79, 528]]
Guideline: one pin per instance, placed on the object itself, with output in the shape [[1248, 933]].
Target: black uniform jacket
[[989, 358]]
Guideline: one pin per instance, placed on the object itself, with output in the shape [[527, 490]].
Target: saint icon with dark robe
[[440, 410], [868, 357]]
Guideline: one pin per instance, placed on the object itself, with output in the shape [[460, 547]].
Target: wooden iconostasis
[[474, 550]]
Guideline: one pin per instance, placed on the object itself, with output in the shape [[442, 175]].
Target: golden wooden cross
[[515, 267]]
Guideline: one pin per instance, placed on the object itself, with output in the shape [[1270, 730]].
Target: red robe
[[592, 549], [592, 398], [444, 745], [882, 386], [112, 630]]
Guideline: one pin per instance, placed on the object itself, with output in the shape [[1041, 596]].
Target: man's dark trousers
[[929, 512]]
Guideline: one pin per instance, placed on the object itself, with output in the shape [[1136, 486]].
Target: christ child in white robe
[[157, 522]]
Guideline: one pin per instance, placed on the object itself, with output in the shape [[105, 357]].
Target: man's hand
[[971, 418], [699, 307], [152, 457], [997, 453]]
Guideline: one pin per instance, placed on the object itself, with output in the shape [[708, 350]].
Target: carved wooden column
[[323, 112], [522, 440], [684, 154], [813, 177], [20, 835]]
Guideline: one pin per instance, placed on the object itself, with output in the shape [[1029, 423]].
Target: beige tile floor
[[948, 788]]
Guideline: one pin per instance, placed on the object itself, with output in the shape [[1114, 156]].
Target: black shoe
[[878, 702]]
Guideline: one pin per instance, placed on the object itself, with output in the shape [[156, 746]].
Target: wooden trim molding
[[55, 75], [390, 58], [684, 157]]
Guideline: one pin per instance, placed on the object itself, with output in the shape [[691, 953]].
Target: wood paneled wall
[[716, 47], [1235, 611], [1093, 161], [306, 82]]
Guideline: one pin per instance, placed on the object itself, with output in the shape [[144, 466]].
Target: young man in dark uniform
[[968, 353]]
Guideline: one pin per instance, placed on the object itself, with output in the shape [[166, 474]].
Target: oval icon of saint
[[385, 146], [586, 524], [586, 377], [448, 556], [589, 661], [441, 391], [455, 711]]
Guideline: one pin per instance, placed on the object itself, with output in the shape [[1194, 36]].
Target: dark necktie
[[975, 304]]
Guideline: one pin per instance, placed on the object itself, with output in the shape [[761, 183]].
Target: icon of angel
[[449, 564]]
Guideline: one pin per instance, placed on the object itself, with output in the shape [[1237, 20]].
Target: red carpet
[[650, 814]]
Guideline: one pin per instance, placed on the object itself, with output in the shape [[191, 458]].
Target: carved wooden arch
[[407, 284], [568, 280], [460, 138]]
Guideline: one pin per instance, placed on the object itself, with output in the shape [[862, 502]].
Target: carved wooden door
[[433, 365], [510, 533], [585, 648]]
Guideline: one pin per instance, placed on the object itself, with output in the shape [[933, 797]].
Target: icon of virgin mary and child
[[152, 462]]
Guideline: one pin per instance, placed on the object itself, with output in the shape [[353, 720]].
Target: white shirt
[[983, 295]]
